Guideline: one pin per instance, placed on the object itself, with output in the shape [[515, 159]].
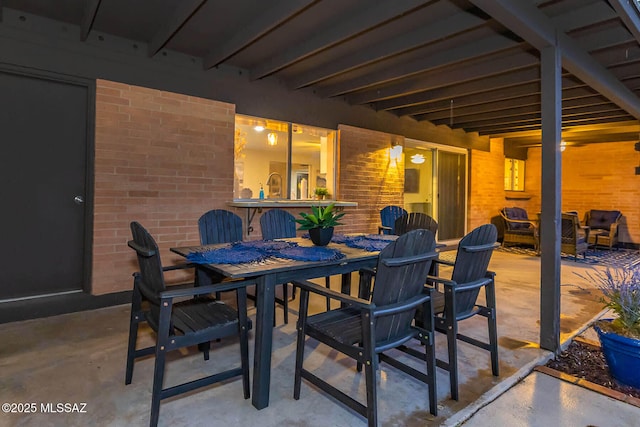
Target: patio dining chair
[[217, 226], [365, 330], [181, 317], [414, 221], [222, 226], [456, 299], [388, 216], [278, 224]]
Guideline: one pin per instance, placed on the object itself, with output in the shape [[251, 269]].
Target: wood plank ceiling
[[470, 64]]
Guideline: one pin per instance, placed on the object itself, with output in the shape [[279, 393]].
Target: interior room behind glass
[[284, 160]]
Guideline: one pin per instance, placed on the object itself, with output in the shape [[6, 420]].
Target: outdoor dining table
[[271, 272]]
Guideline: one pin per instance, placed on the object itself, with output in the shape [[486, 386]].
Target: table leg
[[345, 286], [263, 341]]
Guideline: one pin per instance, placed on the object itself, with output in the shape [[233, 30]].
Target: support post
[[550, 222]]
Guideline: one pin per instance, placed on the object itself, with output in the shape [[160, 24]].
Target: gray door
[[43, 167], [452, 206]]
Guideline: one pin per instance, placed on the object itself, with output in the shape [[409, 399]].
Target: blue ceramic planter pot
[[622, 355], [321, 236]]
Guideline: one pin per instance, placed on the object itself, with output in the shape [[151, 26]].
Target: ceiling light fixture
[[417, 159], [272, 139]]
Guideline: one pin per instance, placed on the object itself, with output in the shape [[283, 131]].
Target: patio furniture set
[[600, 230], [398, 303]]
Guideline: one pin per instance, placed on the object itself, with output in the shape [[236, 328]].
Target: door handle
[[78, 200]]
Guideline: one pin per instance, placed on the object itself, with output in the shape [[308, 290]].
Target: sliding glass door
[[436, 184]]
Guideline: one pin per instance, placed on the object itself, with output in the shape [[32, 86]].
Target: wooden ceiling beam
[[273, 16]]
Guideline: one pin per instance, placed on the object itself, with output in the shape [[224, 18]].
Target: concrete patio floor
[[80, 358]]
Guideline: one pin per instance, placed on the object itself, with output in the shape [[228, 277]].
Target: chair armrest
[[436, 280], [614, 229], [458, 287], [330, 293], [400, 261], [531, 222], [382, 228], [139, 249], [400, 307], [480, 248], [208, 289], [444, 262], [179, 267]]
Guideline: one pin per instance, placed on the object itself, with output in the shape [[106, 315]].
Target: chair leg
[[327, 284], [490, 296], [158, 377], [452, 336], [204, 347], [285, 302], [241, 303], [302, 319], [372, 394], [136, 317], [370, 369], [493, 344], [131, 350], [452, 345]]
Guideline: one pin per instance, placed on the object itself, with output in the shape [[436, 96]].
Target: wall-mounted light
[[258, 128], [563, 145], [417, 159], [395, 152], [272, 139]]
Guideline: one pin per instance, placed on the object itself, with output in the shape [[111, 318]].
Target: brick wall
[[368, 176], [597, 176], [486, 184], [161, 159]]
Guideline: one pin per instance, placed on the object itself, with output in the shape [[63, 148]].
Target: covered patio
[[156, 87], [80, 357]]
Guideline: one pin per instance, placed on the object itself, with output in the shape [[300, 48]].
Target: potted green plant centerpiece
[[320, 223], [620, 337]]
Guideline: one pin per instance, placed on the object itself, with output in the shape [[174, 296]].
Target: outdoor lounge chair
[[575, 238], [604, 226], [518, 228]]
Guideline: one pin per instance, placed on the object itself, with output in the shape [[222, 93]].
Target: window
[[286, 160], [513, 175]]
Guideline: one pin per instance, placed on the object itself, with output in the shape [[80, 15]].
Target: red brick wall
[[368, 176], [598, 176], [486, 184], [161, 159]]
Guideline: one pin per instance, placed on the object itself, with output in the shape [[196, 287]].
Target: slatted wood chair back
[[277, 224], [388, 216], [472, 263], [151, 275], [396, 284], [219, 226], [415, 221]]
